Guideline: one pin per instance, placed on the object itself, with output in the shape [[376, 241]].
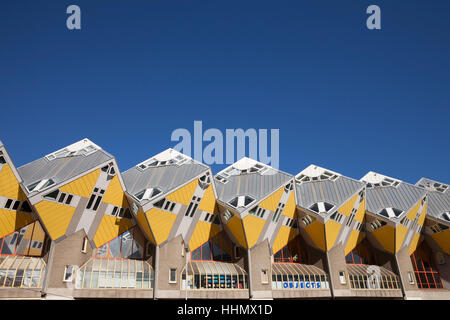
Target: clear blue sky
[[344, 97]]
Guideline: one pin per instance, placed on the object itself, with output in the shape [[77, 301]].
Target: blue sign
[[301, 285]]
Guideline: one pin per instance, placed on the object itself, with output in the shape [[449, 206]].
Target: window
[[8, 203], [227, 215], [204, 181], [377, 224], [219, 248], [291, 253], [173, 275], [25, 207], [336, 216], [361, 254], [40, 185], [237, 253], [352, 216], [128, 245], [115, 273], [321, 207], [52, 195], [278, 211], [264, 276], [84, 245], [192, 206], [16, 205], [390, 212], [257, 211], [325, 175], [2, 160], [307, 220], [68, 274], [410, 278], [241, 201], [147, 194], [427, 275], [342, 277], [95, 199]]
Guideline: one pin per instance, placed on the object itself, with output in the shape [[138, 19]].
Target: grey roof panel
[[166, 177], [335, 192], [402, 197], [61, 169], [254, 184], [438, 202]]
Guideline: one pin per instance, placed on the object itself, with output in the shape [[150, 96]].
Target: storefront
[[296, 276], [214, 275]]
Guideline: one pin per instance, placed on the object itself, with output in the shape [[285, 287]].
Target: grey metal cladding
[[438, 202], [165, 178], [257, 185], [1, 144], [61, 169], [335, 192], [402, 197]]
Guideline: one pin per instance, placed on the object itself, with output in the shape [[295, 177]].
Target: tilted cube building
[[72, 226]]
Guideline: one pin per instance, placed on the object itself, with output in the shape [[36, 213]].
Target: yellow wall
[[443, 240], [235, 226], [203, 232], [83, 186], [114, 194], [354, 239], [9, 186], [332, 229], [184, 194], [317, 234], [144, 225], [208, 202], [400, 234], [110, 227], [11, 221], [55, 217], [285, 234], [253, 227], [271, 202], [385, 237], [347, 207], [161, 223], [290, 208]]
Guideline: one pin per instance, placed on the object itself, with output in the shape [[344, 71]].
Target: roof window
[[391, 212], [241, 201], [321, 207], [40, 185]]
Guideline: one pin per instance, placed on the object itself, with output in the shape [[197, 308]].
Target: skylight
[[373, 179], [241, 201], [165, 158], [243, 166], [446, 216], [40, 185], [435, 186], [321, 207], [84, 147], [315, 173], [391, 212], [147, 194]]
